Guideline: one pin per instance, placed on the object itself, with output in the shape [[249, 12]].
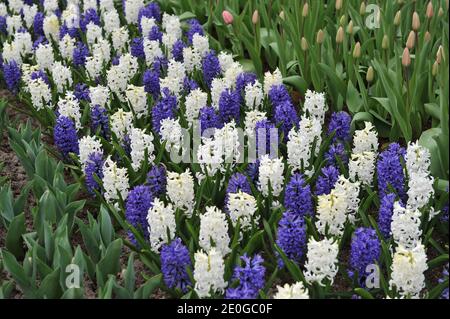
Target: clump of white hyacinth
[[417, 159], [321, 261], [161, 224], [180, 189], [351, 192], [218, 85], [94, 65], [88, 145], [254, 95], [331, 213], [201, 44], [222, 148], [121, 123], [115, 181], [66, 47], [225, 61], [362, 167], [140, 143], [99, 95], [41, 95], [272, 79], [315, 105], [111, 21], [195, 100], [51, 27], [232, 73], [62, 76], [294, 291], [131, 9], [365, 140], [174, 80], [251, 119], [152, 51], [171, 24], [209, 270], [147, 24], [214, 231], [405, 226], [300, 143], [271, 173], [120, 38], [242, 207], [192, 59], [137, 97], [172, 133], [408, 267], [70, 107], [420, 190]]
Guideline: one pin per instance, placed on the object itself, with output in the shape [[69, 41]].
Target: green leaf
[[109, 264], [14, 240], [297, 82], [363, 293], [50, 288]]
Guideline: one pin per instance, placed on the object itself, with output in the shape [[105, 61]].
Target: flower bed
[[219, 181]]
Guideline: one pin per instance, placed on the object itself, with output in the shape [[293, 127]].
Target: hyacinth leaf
[[363, 293], [14, 241]]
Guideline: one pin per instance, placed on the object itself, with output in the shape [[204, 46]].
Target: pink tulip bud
[[227, 17], [255, 17]]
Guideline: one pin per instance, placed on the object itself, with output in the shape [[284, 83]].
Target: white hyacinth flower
[[88, 145], [140, 142], [242, 207], [365, 140], [180, 189], [294, 291], [408, 267], [321, 261], [271, 173], [161, 224], [115, 181], [315, 105], [405, 226], [214, 230], [209, 270], [362, 167]]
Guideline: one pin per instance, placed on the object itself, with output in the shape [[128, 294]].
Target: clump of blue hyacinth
[[194, 28], [38, 24], [230, 106], [390, 171], [157, 180], [286, 117], [210, 67], [137, 48], [385, 214], [65, 136], [175, 261], [279, 94], [291, 236], [297, 196], [138, 203], [250, 277], [150, 80], [100, 121], [94, 167], [209, 119], [244, 79], [340, 125], [12, 75], [80, 53], [39, 74], [177, 50], [151, 10], [89, 16], [265, 130], [336, 152], [82, 92], [364, 251], [164, 109], [326, 180], [444, 294]]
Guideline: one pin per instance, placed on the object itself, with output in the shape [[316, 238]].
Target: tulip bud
[[350, 27], [255, 17], [338, 5], [362, 8], [357, 50], [369, 75], [411, 41], [397, 18], [440, 12], [304, 44], [427, 36], [320, 37], [435, 68], [227, 17], [342, 20], [305, 10], [406, 58], [385, 42], [429, 13], [415, 21], [340, 35], [440, 54], [281, 15]]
